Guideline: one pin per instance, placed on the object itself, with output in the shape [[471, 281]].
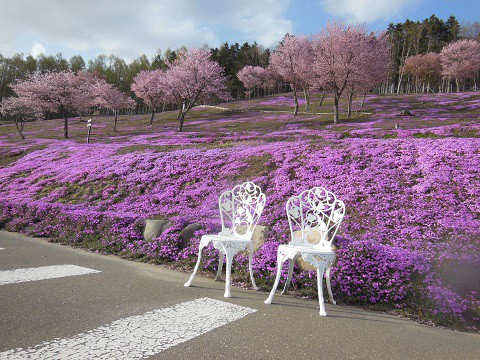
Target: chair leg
[[200, 248], [320, 271], [250, 255], [291, 263], [280, 261], [329, 288], [227, 277], [221, 257]]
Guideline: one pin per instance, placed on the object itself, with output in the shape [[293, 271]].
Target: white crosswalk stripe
[[141, 336], [42, 273]]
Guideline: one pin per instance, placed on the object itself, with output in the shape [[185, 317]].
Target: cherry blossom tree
[[61, 92], [292, 61], [379, 64], [84, 96], [20, 111], [461, 60], [193, 77], [374, 64], [251, 77], [150, 85], [425, 68], [340, 50], [271, 78], [108, 96]]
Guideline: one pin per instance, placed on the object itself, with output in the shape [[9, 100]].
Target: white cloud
[[37, 49], [367, 10], [129, 28]]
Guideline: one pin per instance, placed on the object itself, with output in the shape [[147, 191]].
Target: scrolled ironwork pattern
[[315, 212], [240, 210]]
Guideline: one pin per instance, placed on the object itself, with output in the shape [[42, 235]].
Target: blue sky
[[308, 16], [130, 28]]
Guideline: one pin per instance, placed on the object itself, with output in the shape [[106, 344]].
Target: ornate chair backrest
[[314, 217], [240, 209]]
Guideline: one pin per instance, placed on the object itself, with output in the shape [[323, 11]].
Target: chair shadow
[[359, 315], [288, 301]]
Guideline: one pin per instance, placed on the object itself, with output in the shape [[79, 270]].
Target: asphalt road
[[40, 311]]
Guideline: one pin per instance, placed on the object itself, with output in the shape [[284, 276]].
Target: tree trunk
[[321, 99], [458, 84], [115, 121], [364, 97], [295, 111], [65, 126], [349, 105], [181, 119], [335, 104], [152, 116], [19, 125], [400, 78], [307, 100]]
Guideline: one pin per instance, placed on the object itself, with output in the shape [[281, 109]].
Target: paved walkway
[[59, 302]]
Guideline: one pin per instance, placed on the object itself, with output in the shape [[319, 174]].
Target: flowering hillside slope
[[411, 236]]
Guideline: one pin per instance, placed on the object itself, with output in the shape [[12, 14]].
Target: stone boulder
[[303, 265], [406, 113], [153, 228], [188, 232], [259, 235], [313, 238]]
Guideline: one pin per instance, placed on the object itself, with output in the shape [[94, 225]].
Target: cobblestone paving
[[42, 273], [141, 336]]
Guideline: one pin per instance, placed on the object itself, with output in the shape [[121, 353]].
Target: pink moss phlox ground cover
[[282, 101], [410, 239], [433, 106]]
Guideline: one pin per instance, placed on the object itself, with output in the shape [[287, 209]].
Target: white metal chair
[[314, 217], [240, 209]]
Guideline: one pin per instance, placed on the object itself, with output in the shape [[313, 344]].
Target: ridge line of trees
[[406, 39], [344, 60]]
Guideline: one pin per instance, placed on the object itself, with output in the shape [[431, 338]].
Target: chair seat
[[226, 238], [327, 250]]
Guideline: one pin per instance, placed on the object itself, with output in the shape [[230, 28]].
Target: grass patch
[[465, 133], [10, 157], [426, 135], [141, 147], [257, 166], [390, 136], [79, 193]]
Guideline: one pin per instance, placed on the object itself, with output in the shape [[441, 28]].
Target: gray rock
[[313, 238], [258, 237], [302, 264], [153, 228], [406, 113], [188, 232]]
